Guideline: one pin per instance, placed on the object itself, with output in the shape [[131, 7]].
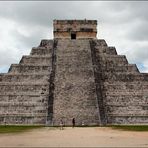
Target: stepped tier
[[40, 51], [24, 108], [23, 68], [21, 87], [36, 60], [19, 77], [83, 79], [123, 87], [24, 90], [127, 76]]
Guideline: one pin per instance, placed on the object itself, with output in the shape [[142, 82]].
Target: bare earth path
[[75, 137]]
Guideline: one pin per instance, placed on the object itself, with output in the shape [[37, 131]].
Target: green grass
[[16, 128], [130, 127], [24, 128]]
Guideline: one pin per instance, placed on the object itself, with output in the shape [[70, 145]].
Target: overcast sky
[[122, 24]]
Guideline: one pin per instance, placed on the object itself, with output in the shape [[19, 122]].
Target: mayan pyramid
[[75, 75]]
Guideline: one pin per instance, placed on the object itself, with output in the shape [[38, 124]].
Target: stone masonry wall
[[82, 28], [124, 88], [24, 90]]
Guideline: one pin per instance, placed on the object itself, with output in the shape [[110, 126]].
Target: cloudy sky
[[122, 24]]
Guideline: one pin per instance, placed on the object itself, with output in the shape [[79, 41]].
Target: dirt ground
[[75, 137]]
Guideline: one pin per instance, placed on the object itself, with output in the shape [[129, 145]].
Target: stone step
[[121, 93], [113, 60], [29, 93], [23, 98], [124, 103], [128, 119], [124, 77], [23, 83], [126, 68], [34, 77], [20, 68], [71, 50], [111, 51], [45, 48], [128, 115], [46, 43], [126, 86], [68, 44], [36, 60], [25, 114], [10, 87], [23, 120], [100, 42], [126, 109], [26, 104], [41, 51], [23, 109], [106, 50], [145, 75], [127, 98]]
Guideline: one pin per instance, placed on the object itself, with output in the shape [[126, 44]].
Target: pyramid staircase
[[75, 93], [83, 79]]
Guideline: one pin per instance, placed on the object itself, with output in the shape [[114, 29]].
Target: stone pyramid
[[75, 75]]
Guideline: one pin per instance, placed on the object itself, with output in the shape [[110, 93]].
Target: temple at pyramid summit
[[74, 75]]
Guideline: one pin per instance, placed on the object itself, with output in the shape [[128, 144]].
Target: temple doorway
[[73, 36]]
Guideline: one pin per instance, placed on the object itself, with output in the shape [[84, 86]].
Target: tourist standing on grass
[[73, 122]]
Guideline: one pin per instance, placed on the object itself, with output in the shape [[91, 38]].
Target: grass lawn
[[130, 127], [24, 128], [16, 128]]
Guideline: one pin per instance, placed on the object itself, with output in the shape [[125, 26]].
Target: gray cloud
[[121, 24]]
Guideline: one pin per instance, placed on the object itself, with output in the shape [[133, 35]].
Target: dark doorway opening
[[73, 36]]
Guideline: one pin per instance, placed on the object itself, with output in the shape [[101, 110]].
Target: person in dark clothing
[[61, 124], [73, 122]]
